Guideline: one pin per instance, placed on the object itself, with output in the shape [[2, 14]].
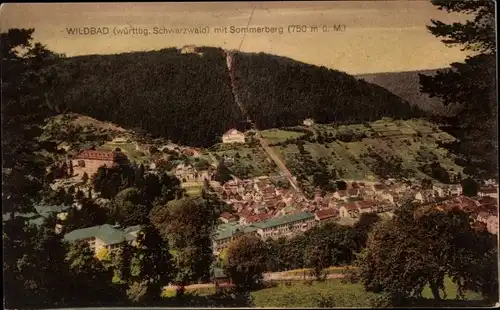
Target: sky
[[379, 36]]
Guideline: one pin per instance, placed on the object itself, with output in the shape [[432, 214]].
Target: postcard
[[250, 154]]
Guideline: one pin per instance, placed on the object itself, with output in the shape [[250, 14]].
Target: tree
[[90, 214], [363, 227], [79, 195], [121, 262], [246, 260], [222, 174], [128, 208], [109, 181], [420, 247], [35, 273], [90, 277], [151, 267], [24, 110], [341, 185], [187, 224], [469, 187], [318, 257], [470, 85]]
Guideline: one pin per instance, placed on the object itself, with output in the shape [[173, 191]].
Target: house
[[285, 225], [233, 136], [308, 122], [387, 195], [488, 191], [42, 212], [439, 190], [61, 213], [189, 49], [341, 195], [227, 217], [256, 218], [455, 189], [420, 196], [288, 210], [483, 217], [488, 203], [89, 161], [366, 206], [325, 215], [349, 210], [187, 173], [443, 190], [220, 279], [244, 215], [105, 236], [225, 233], [492, 224], [378, 188]]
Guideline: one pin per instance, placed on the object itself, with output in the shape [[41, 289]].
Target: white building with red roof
[[233, 136]]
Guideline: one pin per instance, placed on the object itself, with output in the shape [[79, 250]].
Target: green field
[[277, 135], [128, 148], [250, 158], [387, 138], [301, 294]]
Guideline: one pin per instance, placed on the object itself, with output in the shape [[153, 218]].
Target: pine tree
[[471, 84], [24, 110]]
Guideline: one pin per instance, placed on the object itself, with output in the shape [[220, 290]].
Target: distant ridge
[[406, 85]]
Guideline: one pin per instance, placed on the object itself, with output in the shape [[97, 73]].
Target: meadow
[[391, 139], [304, 294]]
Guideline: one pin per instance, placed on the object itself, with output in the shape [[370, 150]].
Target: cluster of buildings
[[482, 210], [260, 208], [187, 173]]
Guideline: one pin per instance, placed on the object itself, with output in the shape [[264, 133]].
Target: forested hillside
[[407, 86], [283, 92], [187, 98], [184, 97]]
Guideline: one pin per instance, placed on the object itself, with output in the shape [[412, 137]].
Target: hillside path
[[277, 160]]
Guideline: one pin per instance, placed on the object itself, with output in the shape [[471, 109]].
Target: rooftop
[[107, 233], [233, 132], [290, 218], [101, 155], [225, 231], [326, 213]]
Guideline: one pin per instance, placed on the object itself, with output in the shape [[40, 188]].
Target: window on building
[[81, 163]]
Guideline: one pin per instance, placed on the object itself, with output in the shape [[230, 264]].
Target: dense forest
[[283, 92], [186, 97]]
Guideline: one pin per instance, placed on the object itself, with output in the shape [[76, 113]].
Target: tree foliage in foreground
[[187, 224], [416, 249], [24, 111], [246, 262], [470, 84]]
